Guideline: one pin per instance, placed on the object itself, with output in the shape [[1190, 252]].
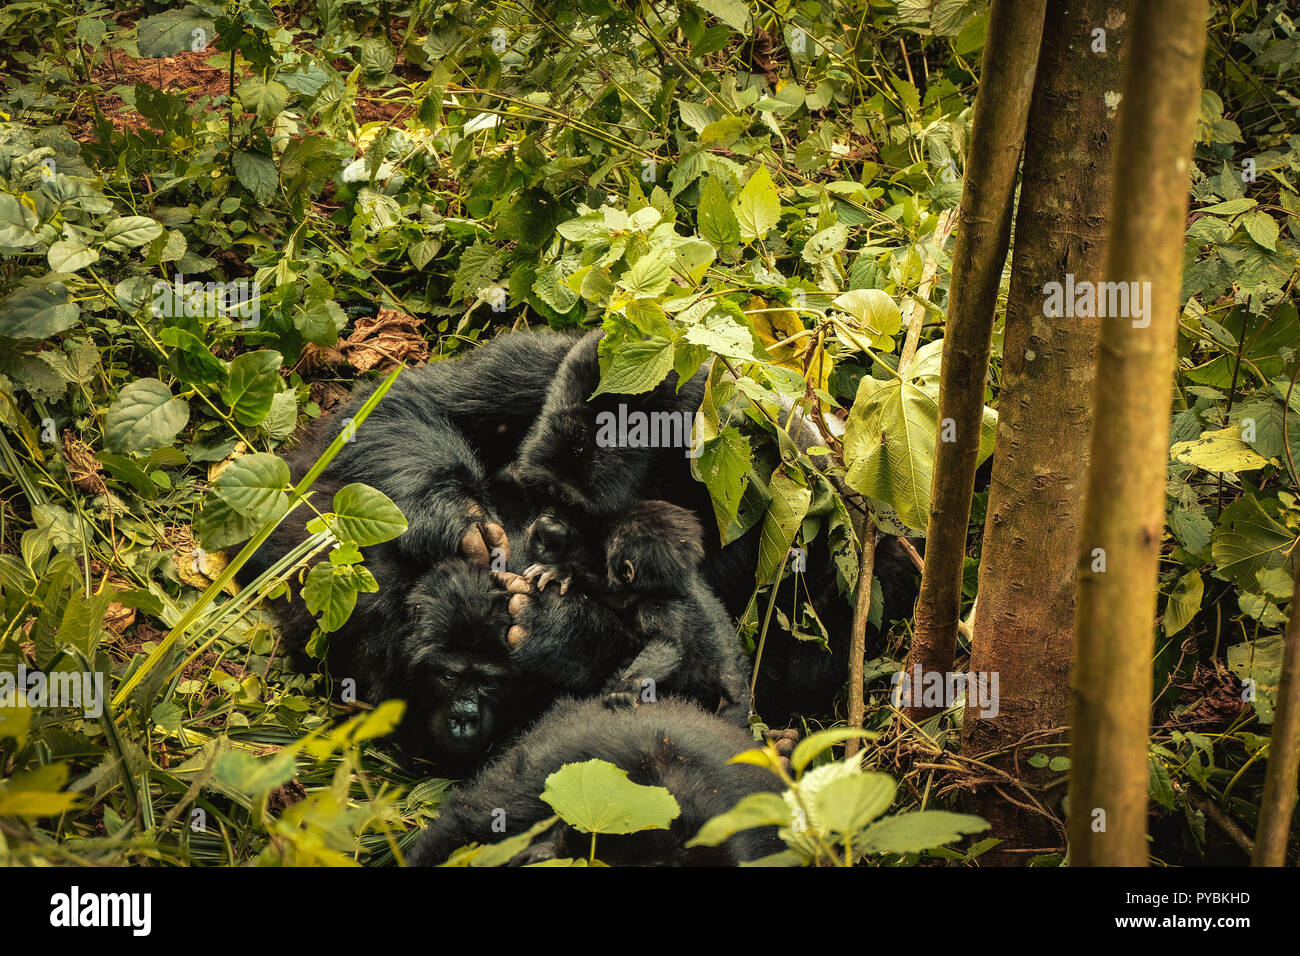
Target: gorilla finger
[[518, 602], [473, 547], [516, 635], [495, 536], [513, 583]]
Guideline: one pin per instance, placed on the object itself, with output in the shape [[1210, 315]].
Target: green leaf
[[69, 255], [1248, 540], [252, 776], [716, 219], [723, 465], [889, 447], [18, 223], [1184, 602], [758, 207], [331, 592], [173, 31], [257, 174], [723, 335], [873, 309], [649, 276], [733, 13], [251, 385], [127, 232], [1262, 228], [144, 417], [36, 312], [813, 744], [848, 804], [597, 797], [1259, 662], [790, 500], [254, 486], [638, 366], [755, 810], [365, 516], [914, 832]]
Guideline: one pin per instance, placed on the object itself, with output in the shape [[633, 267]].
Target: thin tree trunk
[[1024, 620], [1124, 509], [983, 233], [1283, 751]]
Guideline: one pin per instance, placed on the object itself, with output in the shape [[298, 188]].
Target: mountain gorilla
[[672, 744], [435, 634], [487, 456], [665, 632], [583, 483]]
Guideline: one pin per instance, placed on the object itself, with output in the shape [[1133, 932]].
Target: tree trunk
[[1024, 620], [1283, 751], [983, 233], [1125, 504]]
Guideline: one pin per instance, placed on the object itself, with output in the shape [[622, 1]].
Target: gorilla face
[[458, 690]]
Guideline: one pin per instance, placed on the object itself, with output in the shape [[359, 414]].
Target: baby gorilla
[[657, 628], [673, 745]]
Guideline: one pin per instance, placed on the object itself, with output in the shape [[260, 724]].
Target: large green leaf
[[1260, 662], [366, 516], [1184, 602], [848, 804], [889, 445], [251, 385], [716, 219], [790, 500], [758, 207], [144, 417], [254, 486], [755, 810], [597, 797], [37, 312], [127, 232], [914, 832], [174, 31], [638, 366], [18, 223], [1247, 540]]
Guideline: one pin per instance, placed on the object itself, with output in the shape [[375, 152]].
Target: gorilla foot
[[518, 587], [483, 540]]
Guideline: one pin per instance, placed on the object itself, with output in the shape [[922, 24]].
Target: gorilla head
[[459, 678]]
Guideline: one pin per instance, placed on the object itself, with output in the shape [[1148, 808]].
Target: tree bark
[[1124, 508], [1283, 751], [983, 234], [1024, 620]]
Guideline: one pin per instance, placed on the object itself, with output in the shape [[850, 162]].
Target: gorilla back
[[670, 744]]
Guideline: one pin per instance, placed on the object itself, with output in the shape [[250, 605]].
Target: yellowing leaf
[[1219, 451]]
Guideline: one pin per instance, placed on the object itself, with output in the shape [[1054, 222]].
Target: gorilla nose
[[464, 721]]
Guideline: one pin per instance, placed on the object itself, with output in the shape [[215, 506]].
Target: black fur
[[669, 744], [432, 445]]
